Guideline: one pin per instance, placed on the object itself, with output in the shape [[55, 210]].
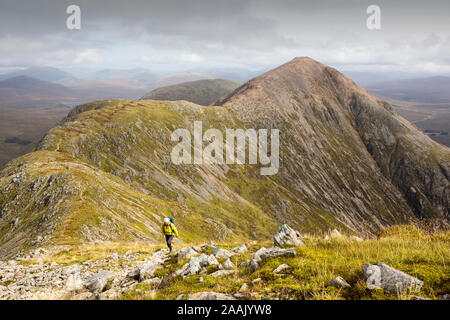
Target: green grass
[[406, 248]]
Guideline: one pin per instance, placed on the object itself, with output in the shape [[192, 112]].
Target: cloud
[[225, 34], [88, 56]]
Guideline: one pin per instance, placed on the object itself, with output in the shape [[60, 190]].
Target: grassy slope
[[202, 92], [405, 248]]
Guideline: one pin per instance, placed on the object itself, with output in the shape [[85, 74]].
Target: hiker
[[169, 231]]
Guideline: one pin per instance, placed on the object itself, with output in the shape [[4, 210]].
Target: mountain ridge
[[342, 152]]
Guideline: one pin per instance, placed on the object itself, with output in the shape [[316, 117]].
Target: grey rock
[[221, 253], [241, 249], [186, 253], [291, 252], [222, 273], [244, 288], [385, 277], [287, 236], [254, 265], [133, 274], [259, 252], [210, 296], [206, 260], [74, 282], [99, 282], [190, 268], [227, 264], [281, 267], [338, 282]]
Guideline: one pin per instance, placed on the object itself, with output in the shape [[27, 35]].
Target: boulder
[[259, 252], [210, 296], [147, 270], [287, 236], [227, 264], [241, 249], [221, 253], [207, 260], [382, 276], [338, 282], [357, 239], [281, 267], [133, 274], [190, 268], [99, 282], [254, 265], [277, 252], [186, 253], [74, 282], [222, 273]]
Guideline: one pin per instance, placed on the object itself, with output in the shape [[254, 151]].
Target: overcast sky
[[199, 34]]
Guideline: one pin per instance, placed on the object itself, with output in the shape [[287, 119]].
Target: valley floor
[[144, 271]]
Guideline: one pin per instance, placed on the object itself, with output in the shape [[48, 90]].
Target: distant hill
[[203, 92], [430, 90], [143, 76], [180, 77], [25, 91], [43, 73]]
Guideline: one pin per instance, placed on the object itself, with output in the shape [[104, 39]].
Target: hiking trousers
[[169, 239]]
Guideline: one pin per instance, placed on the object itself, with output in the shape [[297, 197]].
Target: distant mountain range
[[430, 90]]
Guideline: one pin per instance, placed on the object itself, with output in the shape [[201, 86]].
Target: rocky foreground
[[119, 276]]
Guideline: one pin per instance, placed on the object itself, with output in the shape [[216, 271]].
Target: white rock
[[281, 267], [287, 236], [74, 282], [338, 282], [385, 277]]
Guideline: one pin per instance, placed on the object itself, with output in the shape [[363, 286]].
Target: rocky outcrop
[[286, 236], [382, 276], [196, 265], [88, 280]]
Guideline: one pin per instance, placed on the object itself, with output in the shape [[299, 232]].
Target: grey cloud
[[256, 33]]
